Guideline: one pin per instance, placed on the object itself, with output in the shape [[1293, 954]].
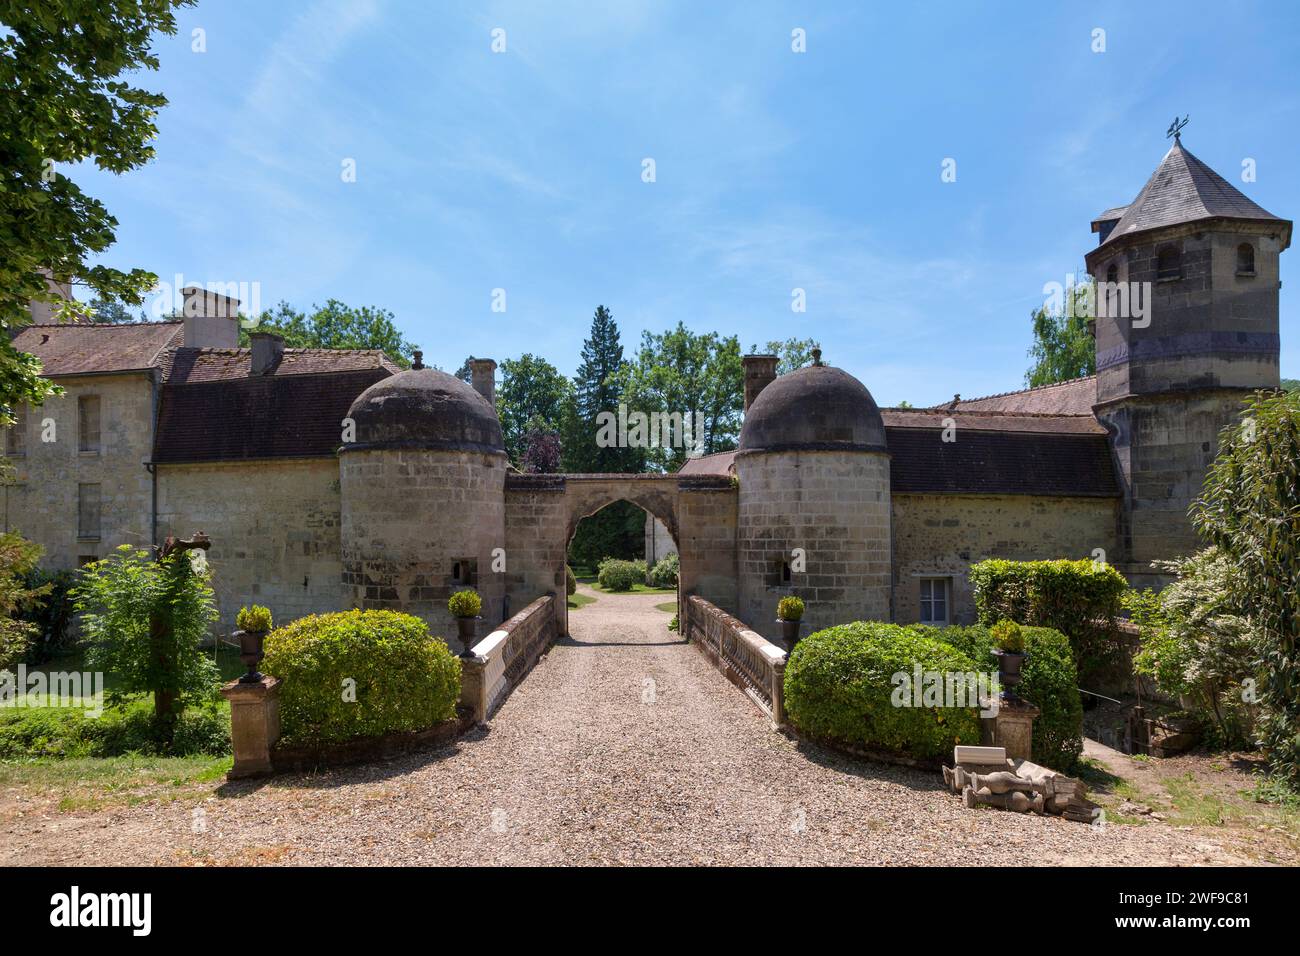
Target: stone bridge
[[543, 512]]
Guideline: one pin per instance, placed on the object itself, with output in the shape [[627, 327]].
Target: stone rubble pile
[[984, 776]]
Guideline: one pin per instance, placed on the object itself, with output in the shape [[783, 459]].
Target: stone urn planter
[[1009, 665], [789, 614], [251, 652], [253, 624], [467, 632]]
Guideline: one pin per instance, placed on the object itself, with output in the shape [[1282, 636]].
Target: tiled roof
[[87, 348], [986, 462], [1073, 397], [719, 463], [214, 365], [992, 421], [1184, 189], [263, 416]]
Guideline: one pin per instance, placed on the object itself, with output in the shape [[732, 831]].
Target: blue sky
[[774, 170]]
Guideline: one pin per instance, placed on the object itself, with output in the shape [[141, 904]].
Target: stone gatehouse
[[332, 479]]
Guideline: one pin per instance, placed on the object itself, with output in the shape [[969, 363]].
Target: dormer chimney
[[268, 348], [760, 371], [483, 377], [211, 319]]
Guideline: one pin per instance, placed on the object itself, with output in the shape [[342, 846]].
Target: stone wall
[[274, 527], [707, 511], [537, 520], [833, 505], [943, 535], [659, 543], [409, 518], [42, 506]]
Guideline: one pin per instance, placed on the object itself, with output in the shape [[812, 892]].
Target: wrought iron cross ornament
[[1176, 128]]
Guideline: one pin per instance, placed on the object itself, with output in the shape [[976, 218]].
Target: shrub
[[47, 732], [664, 573], [840, 683], [570, 581], [1048, 680], [360, 674], [51, 614], [18, 558], [1008, 636], [1197, 645], [1081, 599], [255, 618], [1249, 509], [465, 603], [790, 608], [617, 575]]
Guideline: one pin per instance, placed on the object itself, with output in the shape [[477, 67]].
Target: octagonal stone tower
[[423, 498], [813, 470]]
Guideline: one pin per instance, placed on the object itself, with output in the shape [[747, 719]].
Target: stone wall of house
[[659, 541], [941, 536], [835, 506], [43, 505], [410, 519], [274, 527]]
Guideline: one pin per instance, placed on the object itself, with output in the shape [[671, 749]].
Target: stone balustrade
[[753, 664], [502, 659]]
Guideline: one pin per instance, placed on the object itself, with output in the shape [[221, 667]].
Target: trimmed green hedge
[[1081, 599], [664, 573], [617, 575], [570, 581], [1048, 681], [839, 685], [360, 674]]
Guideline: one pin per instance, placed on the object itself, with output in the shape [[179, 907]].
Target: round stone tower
[[814, 504], [423, 498]]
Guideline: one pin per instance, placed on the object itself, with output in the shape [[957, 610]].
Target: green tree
[[144, 620], [1063, 347], [532, 399], [335, 325], [792, 354], [684, 372], [616, 531], [65, 69], [1251, 509]]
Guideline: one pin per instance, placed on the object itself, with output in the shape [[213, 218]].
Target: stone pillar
[[473, 686], [254, 725], [1011, 727], [778, 693]]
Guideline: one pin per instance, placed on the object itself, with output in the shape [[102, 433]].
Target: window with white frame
[[935, 593]]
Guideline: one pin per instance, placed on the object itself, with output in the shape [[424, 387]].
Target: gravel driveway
[[622, 746]]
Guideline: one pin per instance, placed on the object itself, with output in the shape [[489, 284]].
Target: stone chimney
[[760, 370], [211, 319], [483, 377], [268, 348]]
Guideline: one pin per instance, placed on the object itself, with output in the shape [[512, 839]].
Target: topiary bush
[[790, 608], [466, 603], [1048, 680], [616, 575], [664, 573], [570, 581], [1081, 599], [840, 685], [360, 674], [255, 618]]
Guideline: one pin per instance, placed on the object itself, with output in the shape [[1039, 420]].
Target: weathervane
[[1176, 128]]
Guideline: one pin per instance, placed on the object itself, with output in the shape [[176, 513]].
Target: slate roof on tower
[[1184, 189]]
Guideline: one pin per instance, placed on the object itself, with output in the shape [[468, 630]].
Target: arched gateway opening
[[543, 513]]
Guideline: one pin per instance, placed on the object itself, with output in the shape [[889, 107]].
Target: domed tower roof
[[425, 408], [817, 408]]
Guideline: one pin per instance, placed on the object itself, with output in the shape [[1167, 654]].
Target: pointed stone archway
[[543, 512]]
